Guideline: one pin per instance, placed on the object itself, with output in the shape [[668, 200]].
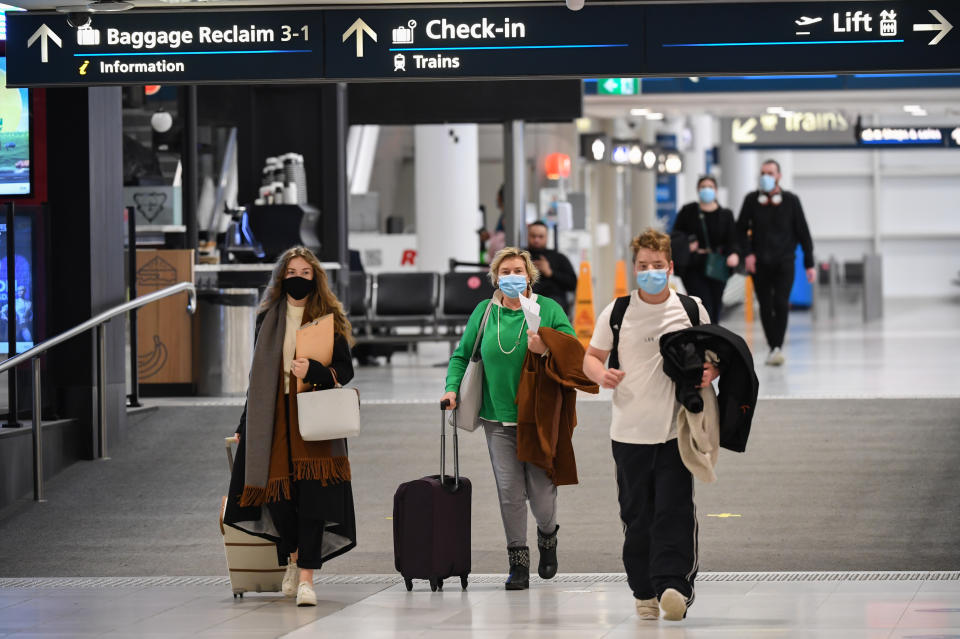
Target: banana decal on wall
[[151, 363]]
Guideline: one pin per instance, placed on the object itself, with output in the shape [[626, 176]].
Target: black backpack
[[620, 309]]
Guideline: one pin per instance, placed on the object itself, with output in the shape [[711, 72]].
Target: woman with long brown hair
[[294, 492]]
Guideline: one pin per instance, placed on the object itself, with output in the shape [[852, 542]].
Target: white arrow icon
[[45, 33], [359, 27], [611, 85], [743, 131], [944, 27]]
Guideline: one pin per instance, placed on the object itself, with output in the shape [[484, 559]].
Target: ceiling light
[[910, 108], [639, 112], [650, 159], [109, 6], [775, 109], [654, 116], [920, 113]]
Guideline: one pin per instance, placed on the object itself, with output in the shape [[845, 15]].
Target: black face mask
[[298, 287]]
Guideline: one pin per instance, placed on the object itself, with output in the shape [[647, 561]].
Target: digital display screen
[[23, 278], [14, 137]]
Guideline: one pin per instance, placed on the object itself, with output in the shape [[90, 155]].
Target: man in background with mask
[[557, 277], [771, 224], [654, 487]]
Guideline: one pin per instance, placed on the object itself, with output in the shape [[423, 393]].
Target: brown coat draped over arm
[[547, 406]]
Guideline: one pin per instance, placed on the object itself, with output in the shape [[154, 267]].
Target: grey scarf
[[265, 376]]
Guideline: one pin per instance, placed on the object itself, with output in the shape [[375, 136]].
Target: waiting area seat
[[410, 307]]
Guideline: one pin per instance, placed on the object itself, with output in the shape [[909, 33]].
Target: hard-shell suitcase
[[251, 560], [431, 523]]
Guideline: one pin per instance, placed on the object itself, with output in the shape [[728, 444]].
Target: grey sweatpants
[[516, 483]]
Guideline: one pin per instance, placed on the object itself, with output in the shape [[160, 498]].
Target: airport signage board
[[909, 136], [792, 129], [164, 48], [395, 42]]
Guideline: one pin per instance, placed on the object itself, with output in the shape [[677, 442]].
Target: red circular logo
[[474, 282]]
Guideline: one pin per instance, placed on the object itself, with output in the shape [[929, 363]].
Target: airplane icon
[[804, 21]]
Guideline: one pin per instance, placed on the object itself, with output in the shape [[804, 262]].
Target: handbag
[[470, 394], [716, 267], [333, 413]]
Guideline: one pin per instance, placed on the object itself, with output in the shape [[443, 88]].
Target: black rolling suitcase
[[431, 523]]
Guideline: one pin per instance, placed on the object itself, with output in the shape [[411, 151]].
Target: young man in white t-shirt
[[655, 489]]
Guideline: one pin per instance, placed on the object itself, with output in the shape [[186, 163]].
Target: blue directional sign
[[396, 42]]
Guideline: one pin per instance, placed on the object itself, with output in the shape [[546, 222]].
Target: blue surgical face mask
[[652, 282], [708, 195], [767, 183], [513, 285]]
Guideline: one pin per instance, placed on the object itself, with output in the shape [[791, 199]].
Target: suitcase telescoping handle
[[232, 439], [443, 448]]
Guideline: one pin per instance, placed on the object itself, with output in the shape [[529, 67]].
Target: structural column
[[85, 168], [447, 194]]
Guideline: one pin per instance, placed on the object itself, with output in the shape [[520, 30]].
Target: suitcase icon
[[88, 36], [404, 34]]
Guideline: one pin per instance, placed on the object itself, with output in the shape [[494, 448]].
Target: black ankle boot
[[548, 553], [519, 578]]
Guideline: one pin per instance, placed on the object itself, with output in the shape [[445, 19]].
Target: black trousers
[[298, 533], [773, 284], [709, 290], [655, 491]]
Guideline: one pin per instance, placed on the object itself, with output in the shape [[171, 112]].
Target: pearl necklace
[[522, 324]]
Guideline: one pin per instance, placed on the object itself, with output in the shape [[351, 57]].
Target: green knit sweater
[[501, 367]]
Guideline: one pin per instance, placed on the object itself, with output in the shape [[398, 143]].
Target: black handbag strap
[[706, 233]]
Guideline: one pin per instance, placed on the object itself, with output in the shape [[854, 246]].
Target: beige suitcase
[[251, 561]]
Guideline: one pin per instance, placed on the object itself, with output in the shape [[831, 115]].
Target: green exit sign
[[617, 86]]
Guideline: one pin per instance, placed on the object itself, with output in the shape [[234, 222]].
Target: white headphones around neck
[[765, 199]]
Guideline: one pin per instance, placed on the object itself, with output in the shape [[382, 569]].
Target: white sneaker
[[290, 578], [674, 605], [306, 595], [776, 357], [648, 609]]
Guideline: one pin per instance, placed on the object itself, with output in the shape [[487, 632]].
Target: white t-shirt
[[294, 320], [644, 403]]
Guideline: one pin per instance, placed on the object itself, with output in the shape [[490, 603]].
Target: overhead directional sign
[[164, 48], [619, 40], [792, 129], [617, 86]]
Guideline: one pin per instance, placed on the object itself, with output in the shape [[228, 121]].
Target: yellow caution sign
[[583, 315], [620, 282]]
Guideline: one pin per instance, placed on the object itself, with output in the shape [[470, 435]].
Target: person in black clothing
[[292, 492], [771, 224], [710, 229], [557, 277]]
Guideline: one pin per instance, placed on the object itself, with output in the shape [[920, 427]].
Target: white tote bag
[[329, 414]]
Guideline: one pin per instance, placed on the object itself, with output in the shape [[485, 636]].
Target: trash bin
[[226, 321]]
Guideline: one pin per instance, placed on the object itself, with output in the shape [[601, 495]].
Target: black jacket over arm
[[772, 232], [720, 225], [317, 374]]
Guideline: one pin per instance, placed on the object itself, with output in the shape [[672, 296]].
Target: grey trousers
[[516, 483]]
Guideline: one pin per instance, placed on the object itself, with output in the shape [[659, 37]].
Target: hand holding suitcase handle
[[444, 405]]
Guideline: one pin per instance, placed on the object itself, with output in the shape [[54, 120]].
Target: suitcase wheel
[[238, 594], [408, 583], [436, 584], [463, 582]]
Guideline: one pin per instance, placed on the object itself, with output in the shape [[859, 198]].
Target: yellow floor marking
[[725, 515]]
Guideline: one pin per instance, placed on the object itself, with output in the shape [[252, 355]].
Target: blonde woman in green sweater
[[506, 340]]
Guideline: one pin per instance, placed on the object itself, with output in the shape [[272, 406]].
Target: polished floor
[[757, 606], [814, 474]]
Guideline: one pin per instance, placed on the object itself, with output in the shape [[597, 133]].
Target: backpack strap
[[691, 307], [616, 320]]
